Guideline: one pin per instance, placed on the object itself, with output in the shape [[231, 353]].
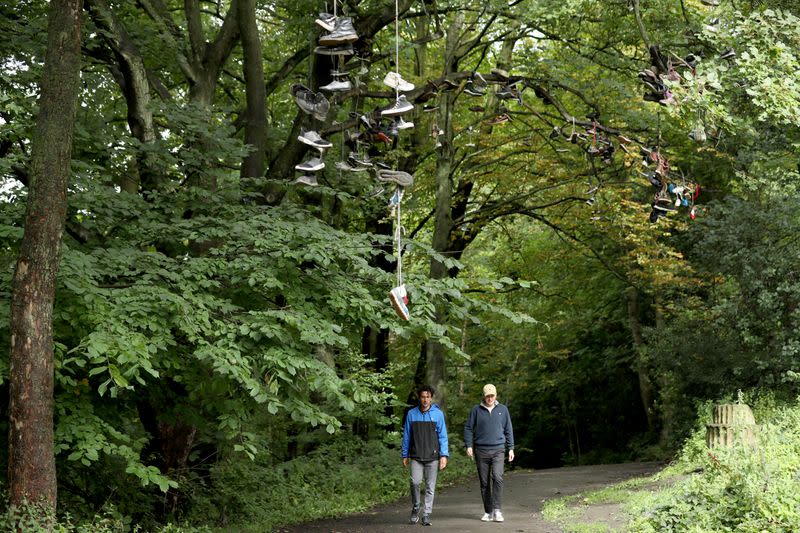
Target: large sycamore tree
[[31, 465]]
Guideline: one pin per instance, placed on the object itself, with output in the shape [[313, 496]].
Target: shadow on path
[[459, 508]]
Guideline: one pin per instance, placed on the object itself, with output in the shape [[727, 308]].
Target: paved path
[[459, 508]]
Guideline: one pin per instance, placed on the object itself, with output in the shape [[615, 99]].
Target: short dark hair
[[425, 388]]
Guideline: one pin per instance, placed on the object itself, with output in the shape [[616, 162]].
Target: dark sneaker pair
[[473, 89], [314, 104], [509, 92], [360, 160], [426, 518]]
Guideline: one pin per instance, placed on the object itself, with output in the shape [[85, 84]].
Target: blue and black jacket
[[425, 435]]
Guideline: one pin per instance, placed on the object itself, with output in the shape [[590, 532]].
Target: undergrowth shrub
[[740, 489], [346, 476], [32, 518]]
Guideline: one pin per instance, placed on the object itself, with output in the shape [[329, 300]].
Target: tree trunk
[[255, 129], [432, 351], [132, 79], [645, 384], [31, 461]]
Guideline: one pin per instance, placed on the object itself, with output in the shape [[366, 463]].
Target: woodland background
[[223, 348]]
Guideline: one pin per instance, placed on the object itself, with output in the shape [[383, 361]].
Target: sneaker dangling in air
[[399, 299], [343, 33], [394, 81]]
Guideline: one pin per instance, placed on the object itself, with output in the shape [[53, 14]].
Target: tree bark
[[136, 89], [432, 351], [645, 384], [31, 461], [255, 129]]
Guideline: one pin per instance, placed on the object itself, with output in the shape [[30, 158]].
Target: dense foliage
[[220, 330]]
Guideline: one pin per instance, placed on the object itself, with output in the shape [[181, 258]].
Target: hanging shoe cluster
[[591, 138], [509, 90], [316, 105], [670, 194], [401, 104], [338, 41]]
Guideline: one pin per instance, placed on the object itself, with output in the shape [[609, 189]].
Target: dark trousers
[[490, 462]]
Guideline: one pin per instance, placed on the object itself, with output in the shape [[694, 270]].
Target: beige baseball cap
[[488, 390]]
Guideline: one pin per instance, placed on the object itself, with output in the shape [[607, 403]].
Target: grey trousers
[[429, 469], [490, 462]]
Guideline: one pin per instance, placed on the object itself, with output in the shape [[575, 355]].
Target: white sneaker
[[394, 81], [399, 299], [403, 125], [337, 85], [498, 516], [487, 517]]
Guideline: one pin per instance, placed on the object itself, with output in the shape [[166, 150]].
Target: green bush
[[346, 476], [739, 489], [31, 518]]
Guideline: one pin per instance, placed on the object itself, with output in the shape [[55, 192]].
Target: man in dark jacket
[[425, 447], [487, 434]]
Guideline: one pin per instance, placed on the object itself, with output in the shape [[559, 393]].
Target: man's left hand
[[442, 463], [510, 455]]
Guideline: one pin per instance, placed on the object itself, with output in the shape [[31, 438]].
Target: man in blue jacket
[[425, 447], [487, 434]]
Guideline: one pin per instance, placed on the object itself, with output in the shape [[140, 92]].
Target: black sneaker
[[426, 520], [475, 90], [414, 516], [361, 160], [304, 99], [310, 102]]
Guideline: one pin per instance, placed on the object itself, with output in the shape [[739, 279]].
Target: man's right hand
[[405, 461], [469, 452]]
